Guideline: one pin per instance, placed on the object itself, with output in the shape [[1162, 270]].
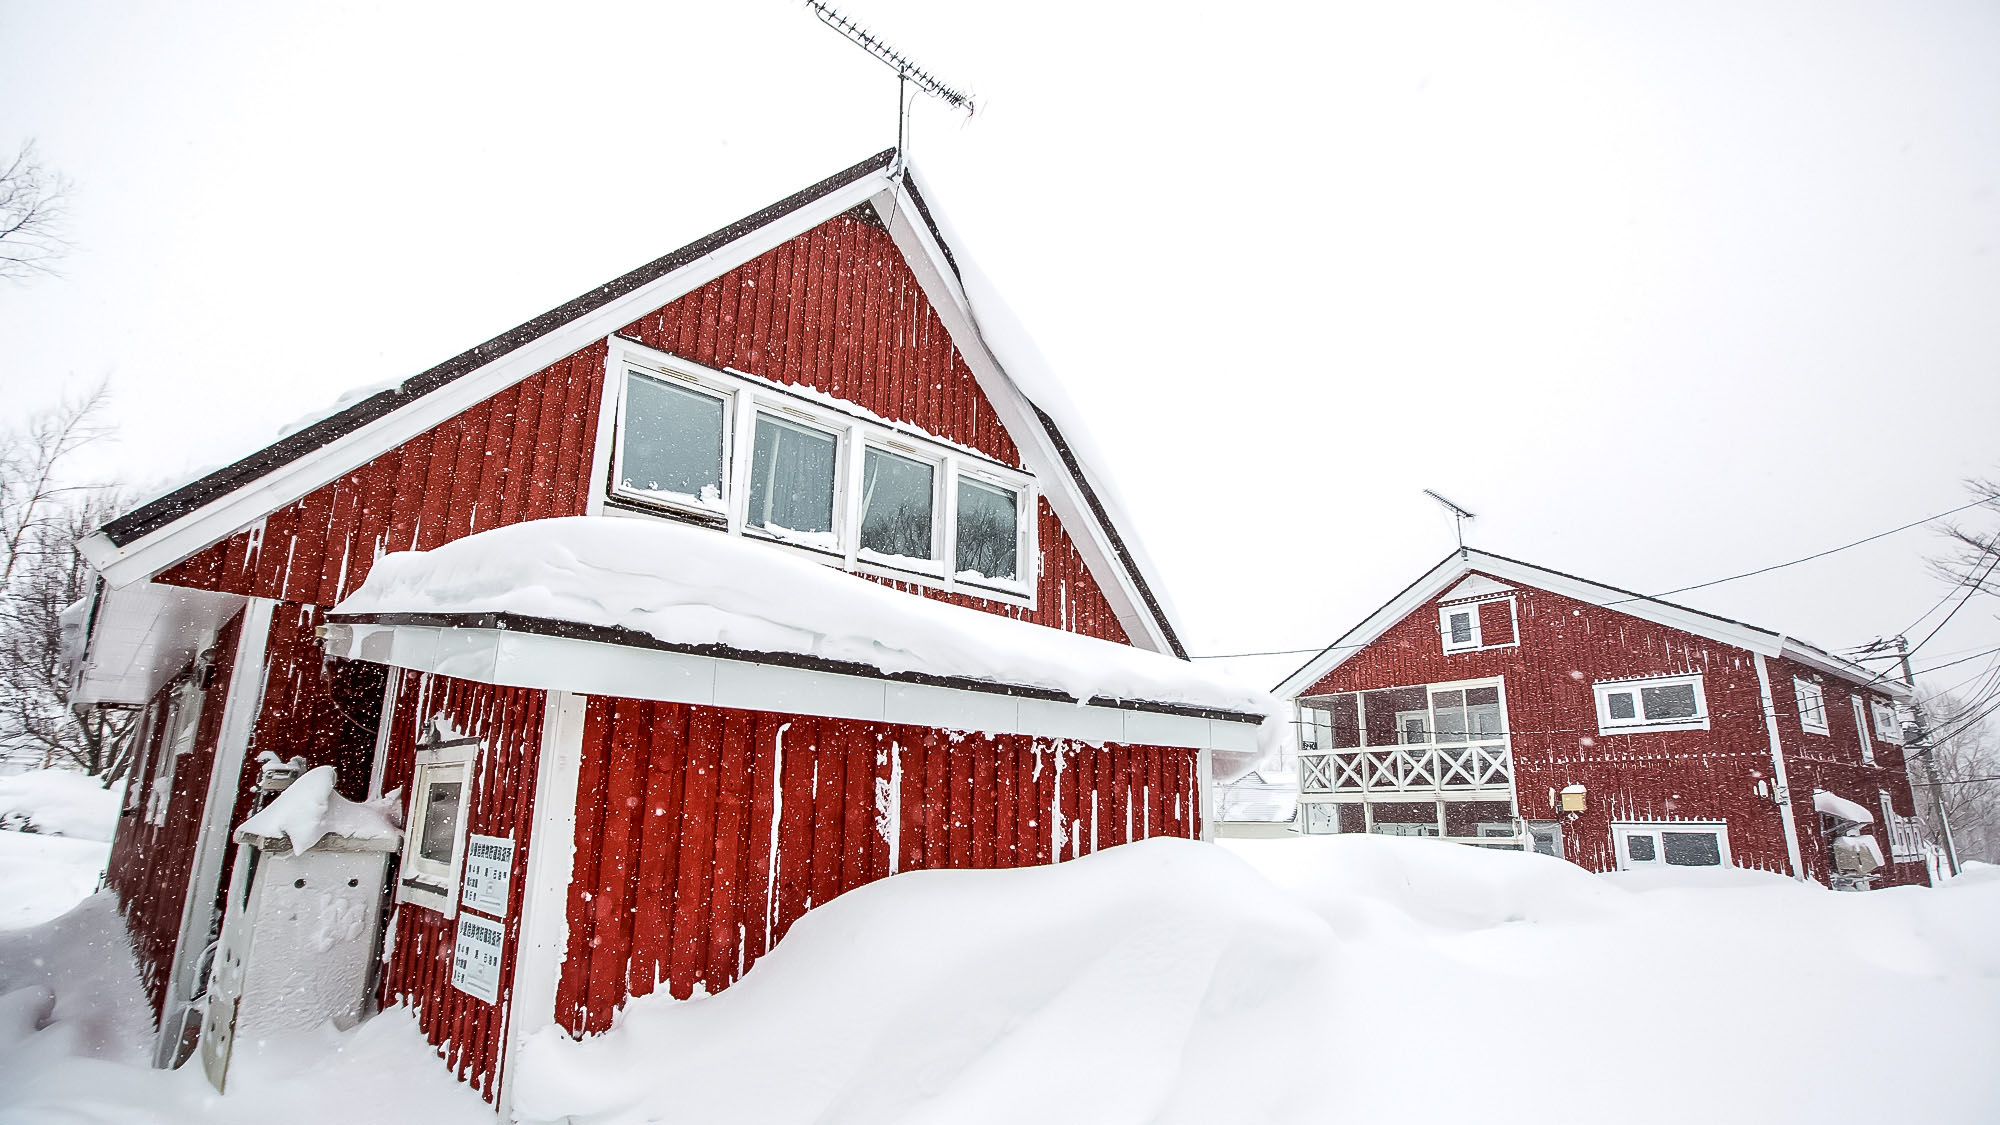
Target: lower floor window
[[434, 845], [1670, 844]]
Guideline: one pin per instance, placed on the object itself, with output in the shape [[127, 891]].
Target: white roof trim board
[[162, 532], [1440, 578]]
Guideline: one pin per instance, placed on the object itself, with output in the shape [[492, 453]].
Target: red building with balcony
[[1495, 702]]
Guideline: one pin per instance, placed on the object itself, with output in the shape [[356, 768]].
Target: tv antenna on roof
[[908, 73], [1459, 516]]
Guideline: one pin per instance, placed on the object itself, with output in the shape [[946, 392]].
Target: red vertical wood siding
[[836, 309], [704, 833], [520, 455], [150, 864], [1565, 647], [468, 1033]]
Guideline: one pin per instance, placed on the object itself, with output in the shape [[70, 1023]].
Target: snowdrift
[[1355, 978]]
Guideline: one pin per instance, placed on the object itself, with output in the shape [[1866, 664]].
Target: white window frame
[[1802, 690], [1861, 730], [1891, 730], [671, 375], [1624, 829], [786, 415], [937, 566], [426, 882], [183, 729], [856, 429], [1604, 689], [1478, 640]]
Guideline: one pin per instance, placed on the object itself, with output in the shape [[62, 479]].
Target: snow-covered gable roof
[[1051, 439], [1458, 568]]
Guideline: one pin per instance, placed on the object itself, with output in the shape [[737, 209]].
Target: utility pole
[[1930, 760]]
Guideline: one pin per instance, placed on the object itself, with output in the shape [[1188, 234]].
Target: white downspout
[[1784, 793]]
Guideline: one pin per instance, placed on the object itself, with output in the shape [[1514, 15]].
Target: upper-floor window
[[1812, 706], [1466, 626], [762, 459], [1658, 703], [1887, 727], [1861, 730]]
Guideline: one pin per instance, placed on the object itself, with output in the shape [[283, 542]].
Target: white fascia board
[[567, 664], [1433, 585], [235, 510], [1854, 674], [926, 260]]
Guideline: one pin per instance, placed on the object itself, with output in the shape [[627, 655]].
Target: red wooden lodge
[[1498, 703], [810, 384]]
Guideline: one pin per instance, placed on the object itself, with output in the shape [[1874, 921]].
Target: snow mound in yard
[[60, 803], [1326, 978]]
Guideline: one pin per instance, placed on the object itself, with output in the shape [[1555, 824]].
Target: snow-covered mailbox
[[299, 932]]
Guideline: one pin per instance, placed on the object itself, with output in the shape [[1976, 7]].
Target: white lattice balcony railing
[[1418, 767]]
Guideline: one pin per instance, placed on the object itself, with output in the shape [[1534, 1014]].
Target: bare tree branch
[[34, 217]]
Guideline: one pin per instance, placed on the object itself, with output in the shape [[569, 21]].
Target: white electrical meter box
[[299, 937]]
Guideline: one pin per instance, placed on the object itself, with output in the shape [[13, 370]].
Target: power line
[[1949, 663], [1810, 558], [1971, 588]]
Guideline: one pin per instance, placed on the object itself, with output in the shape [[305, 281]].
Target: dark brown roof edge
[[633, 638], [1110, 527], [159, 513]]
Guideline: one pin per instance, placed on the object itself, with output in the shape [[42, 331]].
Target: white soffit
[[589, 667], [1476, 586], [143, 634]]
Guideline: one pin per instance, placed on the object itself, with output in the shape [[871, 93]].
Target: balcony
[[1416, 743]]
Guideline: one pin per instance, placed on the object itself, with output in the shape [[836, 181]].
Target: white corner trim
[[544, 934], [239, 717], [1778, 777], [234, 510]]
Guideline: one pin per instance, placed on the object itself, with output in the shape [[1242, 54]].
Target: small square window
[[989, 521], [1887, 727], [434, 847], [1639, 848], [1621, 705]]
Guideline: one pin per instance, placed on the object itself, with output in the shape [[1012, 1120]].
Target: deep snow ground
[[1332, 978]]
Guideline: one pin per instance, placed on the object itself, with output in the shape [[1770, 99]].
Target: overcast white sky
[[1663, 291]]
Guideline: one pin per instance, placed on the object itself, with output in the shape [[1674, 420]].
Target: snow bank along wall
[[702, 833], [1565, 646]]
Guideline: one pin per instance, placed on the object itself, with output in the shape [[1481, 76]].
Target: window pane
[[1692, 849], [1461, 628], [673, 440], [1674, 701], [988, 523], [896, 505], [1619, 704], [1448, 707], [442, 793], [791, 477], [1482, 712], [1639, 848]]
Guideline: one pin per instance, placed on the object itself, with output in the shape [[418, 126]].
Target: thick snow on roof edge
[[695, 586], [1032, 374]]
